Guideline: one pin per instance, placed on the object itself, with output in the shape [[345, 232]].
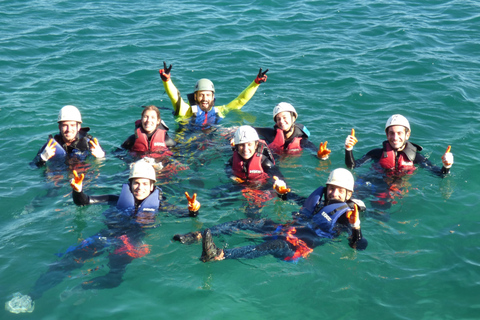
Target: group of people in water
[[329, 211]]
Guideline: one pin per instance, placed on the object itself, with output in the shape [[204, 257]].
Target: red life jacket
[[156, 144], [278, 144], [254, 166], [393, 164]]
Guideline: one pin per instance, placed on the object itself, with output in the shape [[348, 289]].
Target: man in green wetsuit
[[200, 106]]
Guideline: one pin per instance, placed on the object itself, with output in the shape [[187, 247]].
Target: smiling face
[[247, 150], [150, 121], [69, 130], [337, 193], [285, 120], [141, 188], [204, 99], [397, 136]]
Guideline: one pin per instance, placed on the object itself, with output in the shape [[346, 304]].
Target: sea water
[[342, 64]]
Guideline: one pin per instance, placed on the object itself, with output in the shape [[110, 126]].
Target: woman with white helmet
[[252, 159], [151, 137], [72, 141], [398, 155], [325, 214], [134, 210], [287, 136], [201, 103]]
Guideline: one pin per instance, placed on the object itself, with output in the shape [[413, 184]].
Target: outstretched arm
[[180, 107], [447, 160], [246, 94]]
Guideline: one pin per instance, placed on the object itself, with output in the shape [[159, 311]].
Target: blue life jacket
[[323, 219], [201, 118], [126, 201], [80, 148]]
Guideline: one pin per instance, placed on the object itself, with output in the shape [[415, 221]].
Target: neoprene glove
[[261, 77], [353, 217], [193, 204], [77, 181], [49, 150], [351, 141], [95, 149], [447, 158], [280, 186], [165, 72], [323, 152]]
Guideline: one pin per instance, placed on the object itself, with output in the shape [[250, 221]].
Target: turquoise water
[[342, 64]]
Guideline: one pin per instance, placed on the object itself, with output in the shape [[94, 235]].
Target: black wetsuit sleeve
[[425, 163], [271, 169], [307, 144], [351, 163], [267, 134], [82, 199], [38, 161], [128, 144], [169, 142]]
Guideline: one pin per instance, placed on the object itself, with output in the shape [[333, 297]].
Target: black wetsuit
[[122, 237], [80, 144], [275, 235], [411, 150]]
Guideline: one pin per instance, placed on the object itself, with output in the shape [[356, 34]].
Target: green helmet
[[204, 85]]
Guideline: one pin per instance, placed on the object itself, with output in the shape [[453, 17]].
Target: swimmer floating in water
[[201, 102], [73, 141], [398, 155], [324, 215], [288, 136], [135, 209]]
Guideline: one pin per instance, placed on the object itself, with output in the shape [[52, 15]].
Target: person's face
[[141, 188], [284, 120], [337, 193], [150, 121], [69, 130], [397, 137], [204, 99], [247, 150]]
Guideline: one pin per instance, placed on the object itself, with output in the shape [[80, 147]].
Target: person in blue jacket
[[135, 209], [324, 215]]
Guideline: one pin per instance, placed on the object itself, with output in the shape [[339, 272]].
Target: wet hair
[[154, 108]]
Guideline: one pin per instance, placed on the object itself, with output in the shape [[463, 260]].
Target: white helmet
[[204, 85], [142, 169], [397, 120], [341, 178], [69, 113], [245, 134], [284, 106]]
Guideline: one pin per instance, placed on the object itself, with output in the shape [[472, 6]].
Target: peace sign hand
[[261, 77], [165, 72], [77, 181]]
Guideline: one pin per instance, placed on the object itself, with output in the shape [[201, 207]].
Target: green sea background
[[342, 64]]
